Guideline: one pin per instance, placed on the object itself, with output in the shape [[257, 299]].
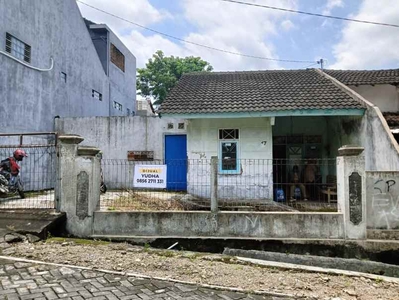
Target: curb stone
[[142, 276], [312, 269]]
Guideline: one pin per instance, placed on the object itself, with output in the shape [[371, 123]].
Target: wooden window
[[117, 58]]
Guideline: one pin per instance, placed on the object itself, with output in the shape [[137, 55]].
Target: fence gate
[[37, 171]]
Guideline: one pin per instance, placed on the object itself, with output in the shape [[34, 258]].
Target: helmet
[[19, 154]]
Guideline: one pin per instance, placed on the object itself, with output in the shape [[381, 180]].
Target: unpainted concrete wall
[[224, 224], [383, 200], [122, 84], [384, 96], [31, 99], [370, 132]]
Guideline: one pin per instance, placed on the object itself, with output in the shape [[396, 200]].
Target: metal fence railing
[[34, 186], [245, 184]]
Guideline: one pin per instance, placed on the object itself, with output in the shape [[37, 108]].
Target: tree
[[162, 73]]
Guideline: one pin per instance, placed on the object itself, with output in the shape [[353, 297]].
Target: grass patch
[[134, 200], [76, 241]]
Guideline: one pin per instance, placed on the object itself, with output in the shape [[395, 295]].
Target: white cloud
[[236, 28], [228, 26], [140, 11], [331, 4], [287, 25], [365, 46], [143, 47]]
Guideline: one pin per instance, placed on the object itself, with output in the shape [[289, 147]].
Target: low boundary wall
[[223, 224]]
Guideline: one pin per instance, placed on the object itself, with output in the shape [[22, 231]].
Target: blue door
[[176, 161]]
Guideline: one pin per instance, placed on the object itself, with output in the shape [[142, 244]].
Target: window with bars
[[229, 151], [117, 58], [96, 95], [118, 106], [17, 48]]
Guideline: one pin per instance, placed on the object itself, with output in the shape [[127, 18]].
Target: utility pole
[[321, 62]]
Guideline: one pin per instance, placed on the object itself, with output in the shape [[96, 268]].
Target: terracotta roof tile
[[359, 77], [392, 119], [258, 91]]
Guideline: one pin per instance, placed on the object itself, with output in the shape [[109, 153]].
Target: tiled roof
[[392, 119], [255, 91], [358, 77]]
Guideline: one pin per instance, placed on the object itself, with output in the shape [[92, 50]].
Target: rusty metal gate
[[37, 171]]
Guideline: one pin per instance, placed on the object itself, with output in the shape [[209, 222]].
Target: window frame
[[27, 49], [237, 170], [118, 106], [96, 95], [117, 58]]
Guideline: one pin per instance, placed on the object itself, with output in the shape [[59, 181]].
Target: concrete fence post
[[78, 186], [351, 191], [214, 184]]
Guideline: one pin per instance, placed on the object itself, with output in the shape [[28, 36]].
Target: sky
[[257, 32]]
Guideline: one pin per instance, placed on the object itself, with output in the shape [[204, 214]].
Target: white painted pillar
[[351, 190]]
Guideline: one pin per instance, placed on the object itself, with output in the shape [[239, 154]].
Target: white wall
[[385, 96], [115, 136], [255, 180], [383, 200]]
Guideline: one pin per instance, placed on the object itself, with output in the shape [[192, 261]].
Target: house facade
[[53, 63], [265, 126]]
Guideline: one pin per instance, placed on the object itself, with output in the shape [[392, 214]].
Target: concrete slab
[[35, 221]]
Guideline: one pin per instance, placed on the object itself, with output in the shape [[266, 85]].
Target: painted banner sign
[[150, 176]]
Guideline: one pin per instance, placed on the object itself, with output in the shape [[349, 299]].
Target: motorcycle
[[11, 184]]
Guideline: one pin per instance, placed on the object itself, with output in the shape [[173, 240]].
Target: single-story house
[[265, 126]]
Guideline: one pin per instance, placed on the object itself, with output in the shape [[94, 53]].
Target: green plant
[[161, 74]]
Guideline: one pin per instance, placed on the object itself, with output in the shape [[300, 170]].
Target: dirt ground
[[203, 268]]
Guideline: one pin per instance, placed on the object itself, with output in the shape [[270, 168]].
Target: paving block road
[[26, 280]]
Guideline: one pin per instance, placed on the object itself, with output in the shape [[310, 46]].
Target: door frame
[[164, 135], [164, 143]]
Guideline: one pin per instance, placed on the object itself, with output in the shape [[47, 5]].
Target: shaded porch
[[304, 158]]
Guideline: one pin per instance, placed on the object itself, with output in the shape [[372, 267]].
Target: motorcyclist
[[9, 166]]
